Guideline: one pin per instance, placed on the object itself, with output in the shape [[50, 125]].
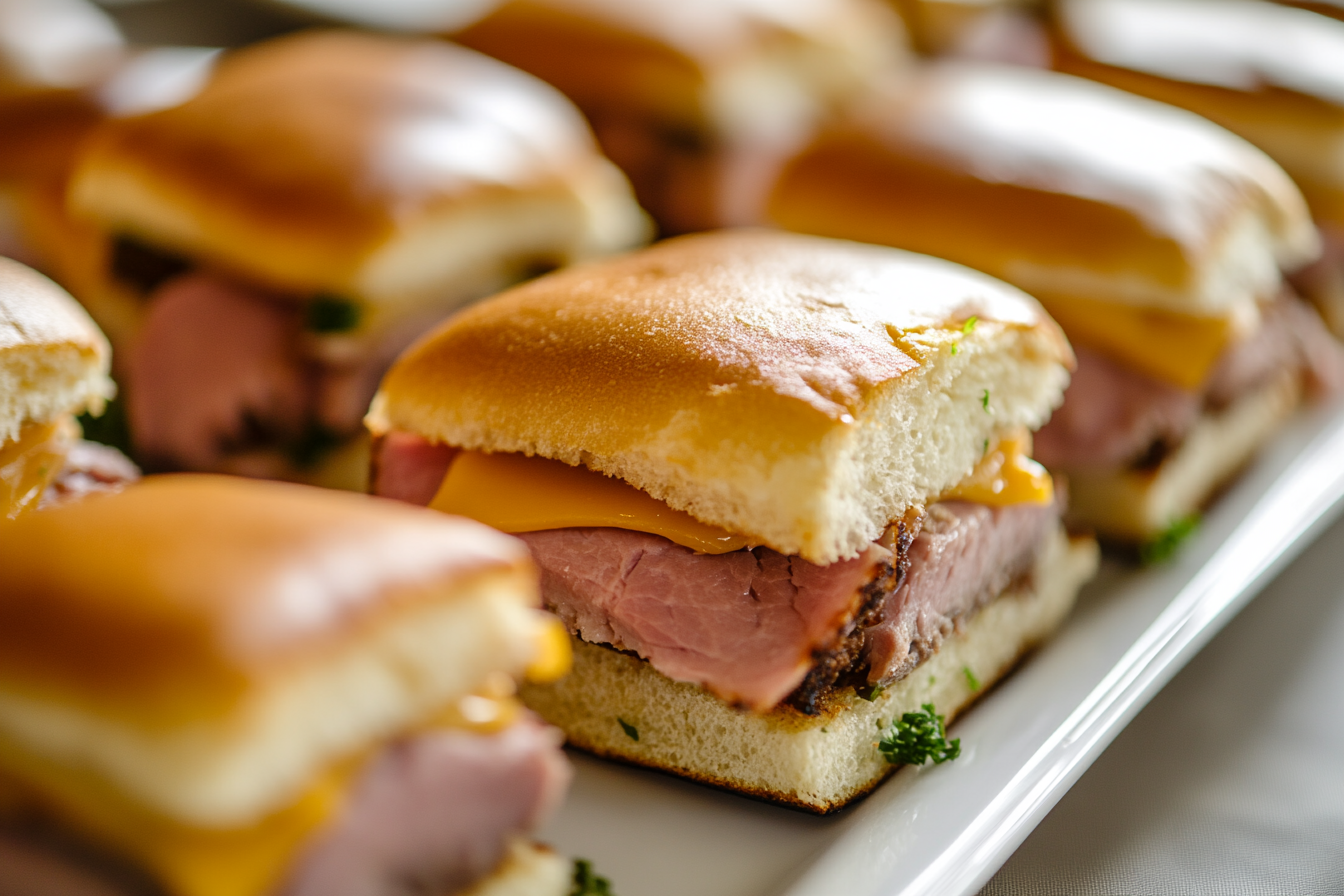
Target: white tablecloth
[[1232, 780]]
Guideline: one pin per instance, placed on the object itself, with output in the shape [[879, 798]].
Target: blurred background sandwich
[[1271, 73], [266, 247], [761, 472], [1158, 240], [688, 97], [53, 365], [218, 687]]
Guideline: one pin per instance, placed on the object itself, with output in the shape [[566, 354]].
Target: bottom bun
[[615, 705], [1136, 505], [529, 869]]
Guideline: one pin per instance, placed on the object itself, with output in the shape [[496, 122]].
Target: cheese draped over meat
[[516, 493]]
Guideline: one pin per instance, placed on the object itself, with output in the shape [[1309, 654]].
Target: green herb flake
[[1166, 543], [984, 449], [971, 681], [630, 730], [588, 883], [970, 324], [955, 347], [332, 314], [933, 679], [870, 693], [917, 737], [984, 400], [824, 730]]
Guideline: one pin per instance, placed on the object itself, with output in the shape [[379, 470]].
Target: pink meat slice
[[89, 468], [744, 624], [964, 557], [1112, 415], [409, 468], [213, 362], [434, 813]]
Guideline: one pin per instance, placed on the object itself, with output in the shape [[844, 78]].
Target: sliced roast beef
[[744, 624], [89, 468], [1113, 416], [434, 813], [214, 367], [964, 556]]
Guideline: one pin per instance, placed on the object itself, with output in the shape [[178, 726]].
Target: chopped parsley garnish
[[984, 400], [984, 449], [587, 883], [970, 324], [870, 693], [971, 681], [332, 314], [917, 737], [955, 347], [630, 730], [933, 679], [1166, 543]]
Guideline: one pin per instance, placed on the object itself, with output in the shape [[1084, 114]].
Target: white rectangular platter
[[946, 829]]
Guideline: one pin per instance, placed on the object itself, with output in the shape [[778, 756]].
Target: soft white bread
[[207, 645], [389, 171], [800, 391], [1262, 70], [53, 360], [1136, 505], [821, 762], [528, 869]]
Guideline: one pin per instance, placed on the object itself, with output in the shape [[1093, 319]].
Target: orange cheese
[[194, 861], [516, 493], [1180, 349], [1005, 475], [29, 463]]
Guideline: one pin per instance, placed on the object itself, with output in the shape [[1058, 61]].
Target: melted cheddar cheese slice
[[1005, 475], [29, 463], [1178, 349], [517, 493]]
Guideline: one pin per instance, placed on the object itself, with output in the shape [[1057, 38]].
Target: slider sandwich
[[271, 243], [54, 54], [1155, 238], [689, 96], [53, 365], [779, 488], [211, 686], [1273, 74]]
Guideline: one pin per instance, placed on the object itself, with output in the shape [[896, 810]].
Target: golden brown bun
[[53, 360], [207, 643], [387, 170], [1065, 188], [798, 390], [820, 762], [1265, 71], [690, 64]]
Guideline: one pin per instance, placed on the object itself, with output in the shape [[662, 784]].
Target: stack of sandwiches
[[688, 97], [219, 687], [759, 472], [53, 365], [1158, 240], [1262, 70], [266, 247]]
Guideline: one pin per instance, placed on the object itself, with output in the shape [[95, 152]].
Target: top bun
[[1271, 74], [53, 360], [798, 390], [375, 168]]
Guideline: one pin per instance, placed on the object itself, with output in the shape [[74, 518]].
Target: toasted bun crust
[[1265, 71], [700, 64], [818, 763], [53, 360], [208, 643], [797, 390], [1137, 505], [1062, 187], [383, 169]]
